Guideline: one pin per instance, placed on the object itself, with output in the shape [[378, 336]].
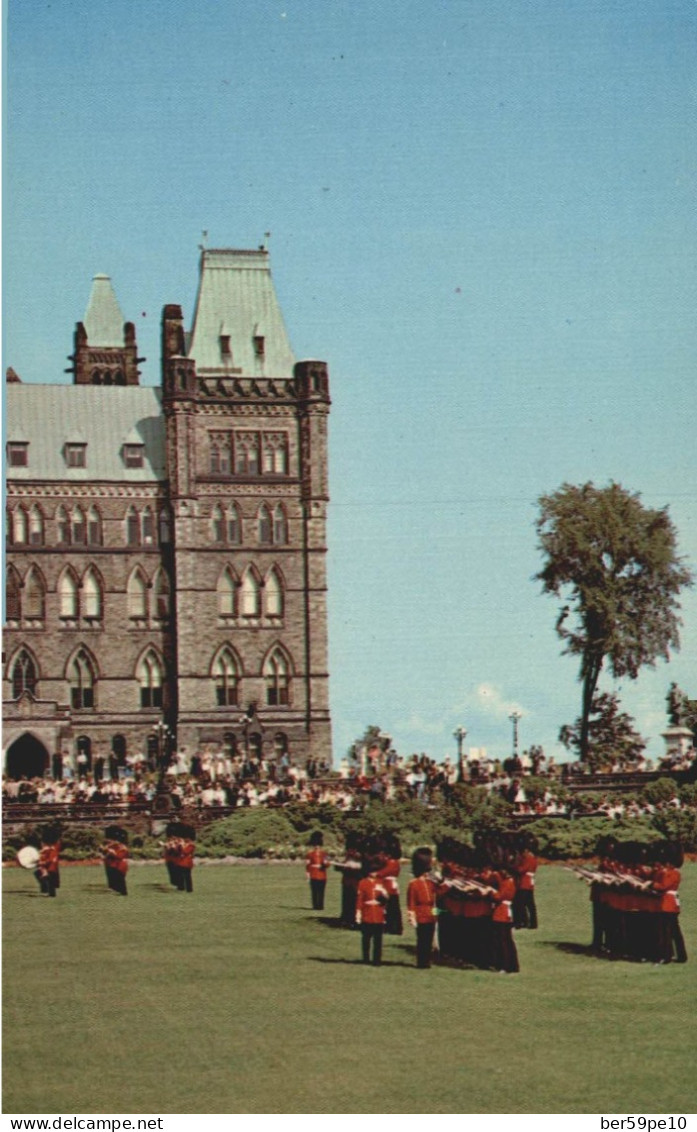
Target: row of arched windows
[[82, 526], [250, 596], [77, 597], [226, 673], [78, 526]]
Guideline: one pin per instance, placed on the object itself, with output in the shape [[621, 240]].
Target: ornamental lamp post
[[514, 717], [459, 735]]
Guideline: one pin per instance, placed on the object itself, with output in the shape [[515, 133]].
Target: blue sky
[[481, 215]]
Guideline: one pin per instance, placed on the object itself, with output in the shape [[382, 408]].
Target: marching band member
[[371, 899], [184, 858], [47, 871], [421, 906], [316, 863], [115, 852], [525, 866], [504, 956], [388, 873]]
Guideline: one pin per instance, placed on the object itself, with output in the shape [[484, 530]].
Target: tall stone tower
[[246, 443]]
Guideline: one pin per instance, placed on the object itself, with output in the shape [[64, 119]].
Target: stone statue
[[676, 705]]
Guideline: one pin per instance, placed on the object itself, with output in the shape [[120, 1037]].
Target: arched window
[[36, 527], [118, 746], [84, 755], [277, 677], [251, 595], [149, 675], [19, 526], [165, 527], [161, 590], [273, 592], [230, 744], [96, 377], [13, 595], [119, 379], [67, 595], [24, 678], [218, 524], [34, 603], [226, 594], [62, 526], [226, 676], [137, 596], [78, 527], [132, 527], [82, 681], [94, 527], [264, 525], [91, 597], [280, 525], [148, 527], [234, 526]]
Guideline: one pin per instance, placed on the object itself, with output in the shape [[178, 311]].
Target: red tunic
[[184, 855], [421, 900], [370, 901], [49, 858], [388, 874], [503, 898], [116, 856], [526, 868], [316, 863], [665, 883]]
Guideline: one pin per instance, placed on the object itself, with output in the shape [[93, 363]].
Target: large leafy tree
[[615, 565], [612, 737]]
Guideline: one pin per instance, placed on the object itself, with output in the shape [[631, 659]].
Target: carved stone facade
[[166, 549]]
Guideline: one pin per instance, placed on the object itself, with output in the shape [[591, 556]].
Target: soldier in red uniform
[[504, 956], [371, 899], [525, 866], [316, 864], [391, 853], [115, 851], [664, 886], [184, 858], [421, 906], [350, 871], [47, 872]]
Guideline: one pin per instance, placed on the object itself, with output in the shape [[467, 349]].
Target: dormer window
[[76, 455], [134, 455], [259, 345], [225, 347], [18, 454]]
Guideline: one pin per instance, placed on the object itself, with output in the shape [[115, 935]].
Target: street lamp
[[514, 717], [163, 735], [459, 734]]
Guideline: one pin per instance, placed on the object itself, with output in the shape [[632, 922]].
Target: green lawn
[[238, 999]]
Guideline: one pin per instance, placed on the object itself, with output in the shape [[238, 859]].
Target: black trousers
[[317, 888], [424, 944], [372, 934], [524, 910], [185, 882], [116, 880], [504, 956], [348, 905], [48, 882]]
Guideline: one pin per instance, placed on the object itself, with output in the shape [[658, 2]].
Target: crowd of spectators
[[215, 780]]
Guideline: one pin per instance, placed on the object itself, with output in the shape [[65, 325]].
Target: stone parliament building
[[166, 547]]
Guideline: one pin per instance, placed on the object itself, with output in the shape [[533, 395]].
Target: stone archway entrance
[[26, 758]]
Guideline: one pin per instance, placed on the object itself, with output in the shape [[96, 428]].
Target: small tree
[[611, 734], [615, 564]]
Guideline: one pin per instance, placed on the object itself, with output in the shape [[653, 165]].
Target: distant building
[[166, 547]]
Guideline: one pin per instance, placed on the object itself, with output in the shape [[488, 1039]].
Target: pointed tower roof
[[103, 320], [236, 297]]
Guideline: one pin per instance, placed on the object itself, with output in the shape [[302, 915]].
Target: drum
[[28, 857]]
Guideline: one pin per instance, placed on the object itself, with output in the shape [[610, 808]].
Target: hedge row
[[259, 832]]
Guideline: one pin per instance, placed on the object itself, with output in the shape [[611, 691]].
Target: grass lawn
[[239, 999]]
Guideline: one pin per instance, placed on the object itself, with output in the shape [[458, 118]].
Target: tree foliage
[[615, 565], [612, 737]]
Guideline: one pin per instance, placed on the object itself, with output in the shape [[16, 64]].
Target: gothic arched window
[[91, 597], [67, 596], [132, 527], [24, 678], [78, 528], [94, 527], [264, 526], [82, 680], [148, 527], [34, 596], [19, 526], [226, 589], [149, 675], [226, 676], [280, 525], [251, 595], [161, 592], [13, 595], [137, 596], [36, 527], [277, 678], [218, 524], [273, 592], [234, 526], [62, 526]]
